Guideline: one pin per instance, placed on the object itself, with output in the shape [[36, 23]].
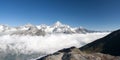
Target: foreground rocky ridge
[[75, 54], [106, 48]]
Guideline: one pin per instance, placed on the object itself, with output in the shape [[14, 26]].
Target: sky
[[90, 14]]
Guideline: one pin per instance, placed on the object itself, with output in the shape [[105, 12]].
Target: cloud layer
[[44, 44]]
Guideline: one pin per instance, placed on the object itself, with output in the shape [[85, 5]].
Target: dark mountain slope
[[109, 44]]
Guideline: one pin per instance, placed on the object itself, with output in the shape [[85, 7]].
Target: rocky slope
[[75, 54]]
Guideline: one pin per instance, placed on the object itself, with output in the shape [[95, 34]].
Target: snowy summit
[[42, 29]]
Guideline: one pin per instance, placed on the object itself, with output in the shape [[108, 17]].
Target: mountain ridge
[[57, 27]]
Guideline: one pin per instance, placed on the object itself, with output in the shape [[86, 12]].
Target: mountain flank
[[109, 44]]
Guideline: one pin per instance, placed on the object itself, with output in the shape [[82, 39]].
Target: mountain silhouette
[[109, 44]]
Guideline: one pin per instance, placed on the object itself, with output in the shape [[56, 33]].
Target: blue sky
[[91, 14]]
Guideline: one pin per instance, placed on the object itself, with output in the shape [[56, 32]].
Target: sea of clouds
[[18, 47]]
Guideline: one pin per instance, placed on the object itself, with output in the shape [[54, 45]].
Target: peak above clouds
[[57, 27], [58, 23]]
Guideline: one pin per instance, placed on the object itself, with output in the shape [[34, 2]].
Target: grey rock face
[[75, 54]]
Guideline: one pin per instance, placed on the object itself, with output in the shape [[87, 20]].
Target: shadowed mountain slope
[[109, 44]]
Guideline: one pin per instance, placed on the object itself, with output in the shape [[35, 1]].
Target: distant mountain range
[[43, 29], [106, 48]]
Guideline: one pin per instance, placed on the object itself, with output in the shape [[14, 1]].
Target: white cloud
[[45, 44]]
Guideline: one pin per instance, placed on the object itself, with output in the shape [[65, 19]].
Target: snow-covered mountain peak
[[3, 28], [29, 25], [26, 27], [58, 23], [3, 25], [81, 27]]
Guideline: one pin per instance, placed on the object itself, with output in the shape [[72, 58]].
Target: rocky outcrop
[[75, 54]]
